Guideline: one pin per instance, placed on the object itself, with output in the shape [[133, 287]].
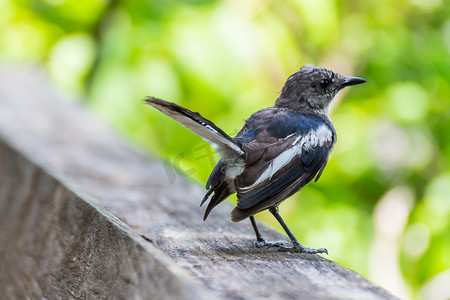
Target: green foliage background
[[382, 206]]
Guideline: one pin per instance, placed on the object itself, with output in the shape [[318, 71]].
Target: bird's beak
[[348, 81]]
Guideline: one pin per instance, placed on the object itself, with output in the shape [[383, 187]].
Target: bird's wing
[[223, 143], [278, 167]]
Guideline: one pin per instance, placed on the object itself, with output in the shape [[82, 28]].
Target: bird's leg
[[259, 238], [297, 246], [261, 242]]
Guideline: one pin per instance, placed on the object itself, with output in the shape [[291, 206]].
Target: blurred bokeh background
[[382, 206]]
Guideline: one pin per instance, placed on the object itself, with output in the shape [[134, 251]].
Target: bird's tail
[[222, 142]]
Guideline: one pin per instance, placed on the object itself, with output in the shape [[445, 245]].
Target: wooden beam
[[82, 215]]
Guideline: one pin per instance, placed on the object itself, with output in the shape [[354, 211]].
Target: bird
[[277, 152]]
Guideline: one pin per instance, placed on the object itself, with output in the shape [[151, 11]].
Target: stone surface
[[84, 216]]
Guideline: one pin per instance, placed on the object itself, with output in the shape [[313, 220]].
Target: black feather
[[220, 193]]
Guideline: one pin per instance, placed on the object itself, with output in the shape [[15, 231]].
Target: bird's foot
[[285, 247], [262, 243], [303, 249]]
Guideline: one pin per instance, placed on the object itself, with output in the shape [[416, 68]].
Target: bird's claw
[[272, 244], [311, 250], [285, 246], [305, 250]]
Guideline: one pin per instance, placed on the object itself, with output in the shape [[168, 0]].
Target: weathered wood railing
[[84, 216]]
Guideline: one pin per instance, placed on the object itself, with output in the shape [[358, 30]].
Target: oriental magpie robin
[[278, 151]]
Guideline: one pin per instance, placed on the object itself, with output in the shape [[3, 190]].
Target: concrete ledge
[[84, 216]]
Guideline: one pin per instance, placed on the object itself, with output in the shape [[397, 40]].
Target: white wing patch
[[314, 138], [318, 137]]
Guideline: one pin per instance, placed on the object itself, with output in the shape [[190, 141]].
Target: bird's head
[[313, 88]]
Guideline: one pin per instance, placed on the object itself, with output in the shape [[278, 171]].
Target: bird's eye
[[324, 83]]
